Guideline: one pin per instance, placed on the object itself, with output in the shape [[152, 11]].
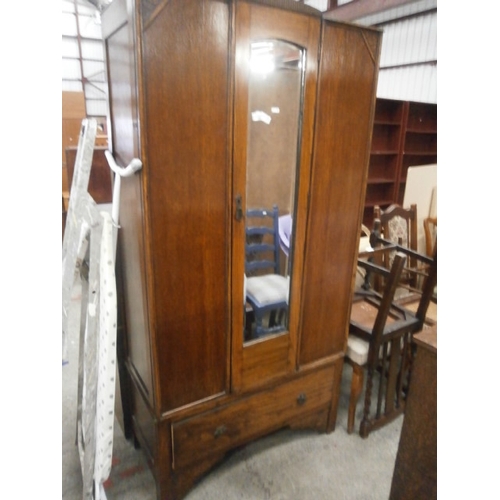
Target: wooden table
[[415, 471]]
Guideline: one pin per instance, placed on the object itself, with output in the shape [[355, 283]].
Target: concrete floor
[[288, 465]]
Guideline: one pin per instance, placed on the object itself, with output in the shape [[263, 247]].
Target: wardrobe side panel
[[121, 68], [185, 59], [346, 99]]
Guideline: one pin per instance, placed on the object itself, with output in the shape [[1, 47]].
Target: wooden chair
[[399, 225], [410, 299], [379, 342], [430, 231], [266, 289]]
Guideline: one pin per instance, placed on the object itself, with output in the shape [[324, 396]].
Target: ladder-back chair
[[399, 226], [379, 343], [266, 289]]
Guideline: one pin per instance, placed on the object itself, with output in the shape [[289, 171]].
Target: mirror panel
[[275, 88]]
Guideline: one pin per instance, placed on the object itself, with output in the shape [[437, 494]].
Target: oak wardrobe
[[234, 105]]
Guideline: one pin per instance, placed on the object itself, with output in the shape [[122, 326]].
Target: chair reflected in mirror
[[266, 289]]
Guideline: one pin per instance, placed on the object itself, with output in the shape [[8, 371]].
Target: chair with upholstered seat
[[414, 274], [399, 226], [265, 287], [379, 343]]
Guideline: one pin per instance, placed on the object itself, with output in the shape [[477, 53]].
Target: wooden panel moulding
[[187, 186], [338, 181], [229, 426]]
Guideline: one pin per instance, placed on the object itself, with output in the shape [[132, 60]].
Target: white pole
[[134, 166]]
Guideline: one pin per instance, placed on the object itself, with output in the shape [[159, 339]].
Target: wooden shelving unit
[[404, 135]]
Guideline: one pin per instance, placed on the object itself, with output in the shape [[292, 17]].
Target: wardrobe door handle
[[239, 208]]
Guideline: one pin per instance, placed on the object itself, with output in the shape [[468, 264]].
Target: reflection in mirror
[[274, 115]]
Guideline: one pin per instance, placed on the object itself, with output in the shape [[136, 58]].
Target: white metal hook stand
[[134, 166]]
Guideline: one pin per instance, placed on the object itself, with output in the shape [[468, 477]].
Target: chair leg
[[248, 318], [272, 319], [356, 388], [365, 426], [259, 329]]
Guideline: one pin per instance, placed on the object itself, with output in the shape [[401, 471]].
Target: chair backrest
[[388, 298], [399, 224], [382, 302], [262, 251]]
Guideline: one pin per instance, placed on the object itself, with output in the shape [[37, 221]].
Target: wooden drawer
[[251, 417]]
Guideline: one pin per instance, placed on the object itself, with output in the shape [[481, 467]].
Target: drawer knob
[[301, 399], [220, 430]]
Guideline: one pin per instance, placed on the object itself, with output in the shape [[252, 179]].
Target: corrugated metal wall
[[408, 64], [321, 5], [83, 67]]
